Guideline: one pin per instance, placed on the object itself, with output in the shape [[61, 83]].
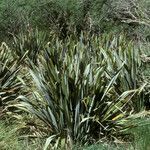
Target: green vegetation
[[74, 74], [12, 135]]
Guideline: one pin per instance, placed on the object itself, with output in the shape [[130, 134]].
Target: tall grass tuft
[[84, 87]]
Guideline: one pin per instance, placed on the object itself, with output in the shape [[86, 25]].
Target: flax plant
[[83, 87]]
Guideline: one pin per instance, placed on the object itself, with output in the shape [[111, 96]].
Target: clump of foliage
[[29, 44], [83, 87], [10, 84]]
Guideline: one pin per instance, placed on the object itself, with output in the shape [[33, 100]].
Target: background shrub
[[66, 16]]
